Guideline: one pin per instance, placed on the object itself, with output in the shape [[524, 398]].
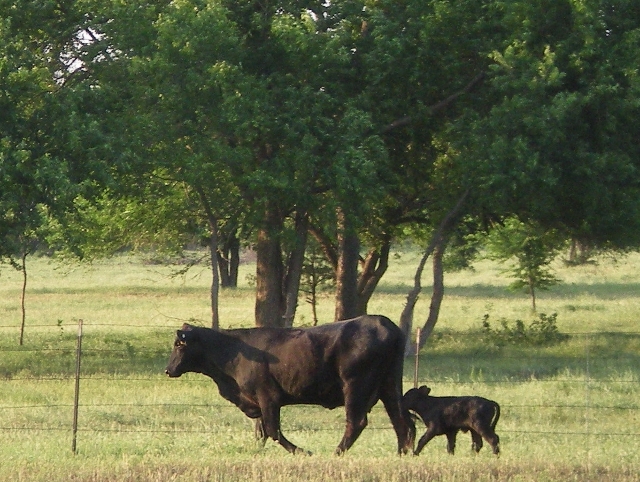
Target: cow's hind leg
[[357, 403], [356, 423], [259, 431], [401, 419]]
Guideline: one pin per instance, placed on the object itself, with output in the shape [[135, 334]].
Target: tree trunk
[[215, 280], [294, 269], [347, 270], [406, 318], [229, 261], [374, 267], [270, 302], [213, 247], [532, 292], [23, 268], [438, 239], [438, 292]]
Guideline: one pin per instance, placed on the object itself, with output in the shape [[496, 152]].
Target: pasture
[[570, 410]]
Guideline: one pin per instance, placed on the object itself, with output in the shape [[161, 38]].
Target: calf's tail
[[496, 416]]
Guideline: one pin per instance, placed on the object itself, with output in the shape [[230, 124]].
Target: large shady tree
[[39, 174], [558, 142], [240, 103], [354, 121], [552, 140]]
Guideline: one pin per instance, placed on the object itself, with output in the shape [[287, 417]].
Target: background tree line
[[339, 128]]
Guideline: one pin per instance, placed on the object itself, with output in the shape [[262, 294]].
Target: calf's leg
[[491, 437], [424, 440], [476, 441], [451, 441], [493, 440]]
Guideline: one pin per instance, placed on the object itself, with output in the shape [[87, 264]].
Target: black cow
[[352, 363], [448, 415]]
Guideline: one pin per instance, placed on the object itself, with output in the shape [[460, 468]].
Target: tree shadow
[[604, 291], [466, 358]]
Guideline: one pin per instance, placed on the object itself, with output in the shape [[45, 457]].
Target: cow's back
[[311, 365], [368, 338]]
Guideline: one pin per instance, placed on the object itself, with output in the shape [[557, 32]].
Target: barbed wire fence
[[593, 412]]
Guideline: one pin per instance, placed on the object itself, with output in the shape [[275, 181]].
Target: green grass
[[570, 411]]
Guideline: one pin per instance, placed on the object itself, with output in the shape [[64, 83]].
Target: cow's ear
[[425, 390], [183, 336]]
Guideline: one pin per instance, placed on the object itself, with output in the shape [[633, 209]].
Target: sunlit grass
[[569, 411]]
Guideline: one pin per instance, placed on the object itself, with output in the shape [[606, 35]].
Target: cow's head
[[186, 352]]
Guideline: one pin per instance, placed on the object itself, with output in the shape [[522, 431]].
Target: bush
[[540, 332]]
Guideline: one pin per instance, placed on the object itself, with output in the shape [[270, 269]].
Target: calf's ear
[[425, 390]]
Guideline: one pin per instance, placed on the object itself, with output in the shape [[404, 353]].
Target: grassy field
[[570, 410]]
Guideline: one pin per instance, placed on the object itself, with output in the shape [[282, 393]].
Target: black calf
[[448, 415]]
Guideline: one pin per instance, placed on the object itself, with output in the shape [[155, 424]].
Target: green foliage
[[317, 276], [556, 142], [31, 176], [540, 332], [304, 107], [102, 227], [533, 249]]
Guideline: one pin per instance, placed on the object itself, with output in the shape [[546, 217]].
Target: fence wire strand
[[591, 410]]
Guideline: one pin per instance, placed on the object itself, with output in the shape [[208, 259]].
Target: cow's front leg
[[271, 426], [259, 431]]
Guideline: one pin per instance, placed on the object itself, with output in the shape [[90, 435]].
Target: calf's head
[[186, 352], [415, 397]]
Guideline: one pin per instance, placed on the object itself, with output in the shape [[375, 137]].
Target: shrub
[[540, 332]]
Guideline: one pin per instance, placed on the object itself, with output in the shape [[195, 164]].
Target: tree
[[38, 179], [550, 137], [357, 122], [412, 82], [533, 250], [557, 142], [316, 273], [257, 112]]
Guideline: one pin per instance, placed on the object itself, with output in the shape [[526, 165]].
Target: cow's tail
[[496, 416], [409, 418]]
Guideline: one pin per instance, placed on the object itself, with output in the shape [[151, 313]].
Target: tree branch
[[438, 106]]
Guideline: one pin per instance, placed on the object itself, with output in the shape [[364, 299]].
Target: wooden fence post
[[77, 389], [415, 370]]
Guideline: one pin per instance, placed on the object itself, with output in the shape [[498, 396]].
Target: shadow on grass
[[447, 355], [111, 354], [467, 357], [604, 291]]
